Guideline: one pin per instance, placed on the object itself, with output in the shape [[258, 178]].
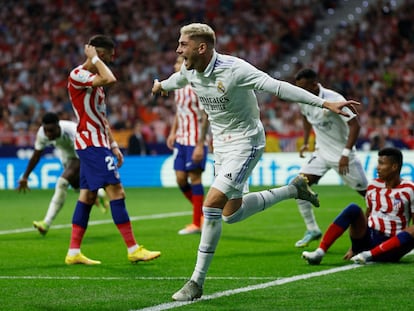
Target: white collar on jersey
[[209, 69]]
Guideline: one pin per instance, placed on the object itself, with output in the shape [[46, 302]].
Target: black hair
[[306, 73], [394, 153], [50, 118], [102, 41]]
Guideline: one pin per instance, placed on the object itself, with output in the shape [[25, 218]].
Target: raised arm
[[104, 75]]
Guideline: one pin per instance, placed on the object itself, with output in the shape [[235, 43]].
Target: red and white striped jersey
[[189, 116], [89, 105], [391, 209]]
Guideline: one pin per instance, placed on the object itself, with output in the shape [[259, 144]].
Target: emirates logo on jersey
[[220, 87]]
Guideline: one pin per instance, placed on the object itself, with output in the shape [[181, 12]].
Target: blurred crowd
[[42, 40]]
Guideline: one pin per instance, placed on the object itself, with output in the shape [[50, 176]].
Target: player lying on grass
[[390, 208]]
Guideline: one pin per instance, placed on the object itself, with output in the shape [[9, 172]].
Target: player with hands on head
[[226, 86], [61, 135], [335, 139], [96, 148]]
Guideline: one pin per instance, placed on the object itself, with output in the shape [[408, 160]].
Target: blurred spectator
[[370, 61], [136, 142]]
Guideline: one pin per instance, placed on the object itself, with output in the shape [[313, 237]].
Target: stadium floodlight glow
[[331, 11], [318, 38], [358, 10], [311, 45], [350, 17], [294, 60], [326, 31], [286, 67], [365, 4], [302, 53]]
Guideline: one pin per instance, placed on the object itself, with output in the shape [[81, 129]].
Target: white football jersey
[[331, 129], [226, 90], [64, 143]]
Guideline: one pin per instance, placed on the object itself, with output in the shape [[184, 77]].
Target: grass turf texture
[[33, 275]]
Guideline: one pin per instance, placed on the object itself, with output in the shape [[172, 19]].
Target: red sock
[[386, 246], [77, 235], [126, 231], [334, 232], [197, 202]]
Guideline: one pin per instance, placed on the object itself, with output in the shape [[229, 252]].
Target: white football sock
[[259, 201], [210, 236], [306, 210], [58, 200], [73, 251]]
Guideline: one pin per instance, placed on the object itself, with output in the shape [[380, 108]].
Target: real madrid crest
[[220, 87]]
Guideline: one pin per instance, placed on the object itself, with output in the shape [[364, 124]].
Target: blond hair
[[200, 32]]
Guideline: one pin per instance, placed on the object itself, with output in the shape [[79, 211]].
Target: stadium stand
[[370, 60]]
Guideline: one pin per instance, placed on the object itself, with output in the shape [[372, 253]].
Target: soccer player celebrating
[[96, 148], [335, 137], [188, 138], [225, 86], [61, 134], [390, 208]]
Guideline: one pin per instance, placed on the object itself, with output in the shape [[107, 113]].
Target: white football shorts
[[355, 179], [233, 167]]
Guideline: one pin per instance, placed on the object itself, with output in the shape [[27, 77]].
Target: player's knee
[[348, 216], [410, 230], [352, 210], [233, 218], [62, 183], [212, 214]]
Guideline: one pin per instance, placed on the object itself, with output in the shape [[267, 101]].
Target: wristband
[[114, 145], [95, 59], [346, 152]]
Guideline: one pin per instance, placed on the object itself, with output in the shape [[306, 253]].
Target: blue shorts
[[97, 168], [183, 161], [374, 238]]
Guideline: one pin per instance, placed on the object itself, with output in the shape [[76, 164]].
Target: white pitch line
[[101, 222], [176, 304]]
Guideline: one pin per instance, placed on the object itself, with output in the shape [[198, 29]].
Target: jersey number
[[110, 163]]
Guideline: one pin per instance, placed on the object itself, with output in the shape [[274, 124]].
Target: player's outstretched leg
[[304, 191]]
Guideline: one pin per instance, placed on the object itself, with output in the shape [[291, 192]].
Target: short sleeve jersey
[[65, 143], [89, 106], [331, 129], [391, 209]]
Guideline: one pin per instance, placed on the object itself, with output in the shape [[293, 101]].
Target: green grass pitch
[[256, 266]]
